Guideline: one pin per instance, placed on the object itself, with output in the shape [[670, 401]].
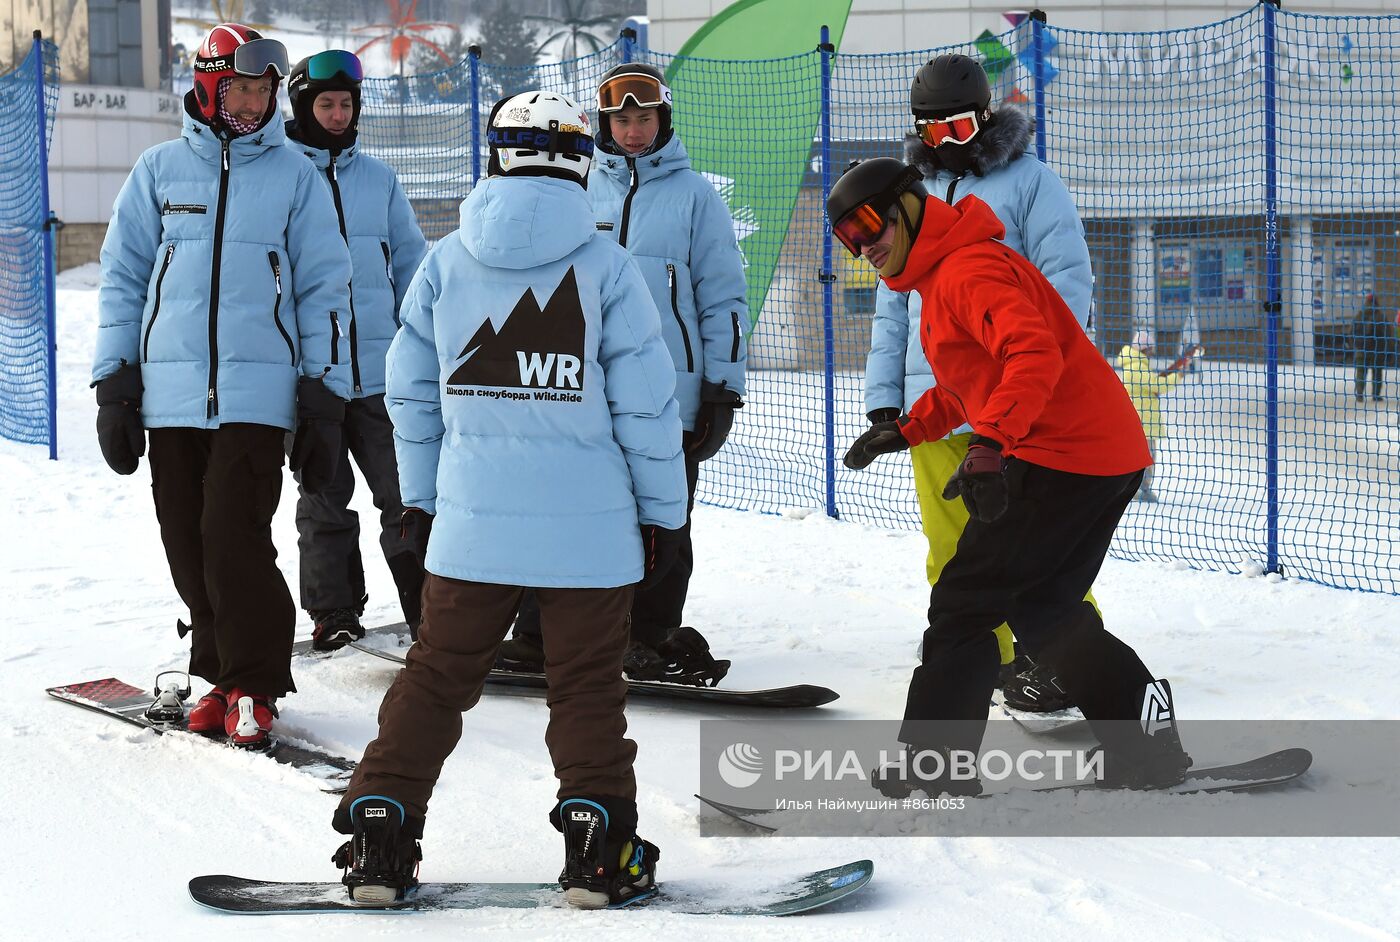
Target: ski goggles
[[577, 143], [256, 56], [954, 129], [644, 90], [325, 66]]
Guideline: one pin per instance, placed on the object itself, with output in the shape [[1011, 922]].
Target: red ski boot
[[209, 714], [249, 719]]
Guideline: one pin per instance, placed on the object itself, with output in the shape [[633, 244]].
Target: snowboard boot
[[605, 862], [683, 658], [1145, 753], [380, 861], [1036, 691], [917, 773], [522, 653], [335, 628], [248, 721], [210, 714]]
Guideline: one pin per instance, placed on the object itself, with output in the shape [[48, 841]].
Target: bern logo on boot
[[536, 348], [376, 812], [1156, 709]]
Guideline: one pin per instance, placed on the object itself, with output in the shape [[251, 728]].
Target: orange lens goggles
[[954, 129], [644, 90], [860, 227]]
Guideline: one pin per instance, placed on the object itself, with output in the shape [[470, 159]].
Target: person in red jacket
[[1057, 454]]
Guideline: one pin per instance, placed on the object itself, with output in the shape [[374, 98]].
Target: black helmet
[[877, 183], [345, 76], [948, 85], [660, 99]]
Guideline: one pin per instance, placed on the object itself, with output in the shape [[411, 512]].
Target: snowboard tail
[[800, 894], [127, 703]]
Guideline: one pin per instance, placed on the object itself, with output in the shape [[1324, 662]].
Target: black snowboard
[[1262, 772], [121, 700], [381, 643], [780, 898]]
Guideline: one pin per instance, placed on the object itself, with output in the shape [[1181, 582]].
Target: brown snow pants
[[420, 720]]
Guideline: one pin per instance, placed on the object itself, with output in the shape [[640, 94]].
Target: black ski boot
[[522, 653], [380, 861], [683, 658], [925, 770], [335, 628], [1145, 753], [1036, 690], [605, 862]]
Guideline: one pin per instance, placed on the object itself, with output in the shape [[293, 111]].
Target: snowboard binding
[[683, 658], [168, 708], [601, 870], [379, 863]]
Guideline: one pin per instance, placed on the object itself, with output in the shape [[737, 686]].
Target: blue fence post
[[828, 280], [1038, 48], [474, 59], [50, 319], [629, 39], [1273, 305]]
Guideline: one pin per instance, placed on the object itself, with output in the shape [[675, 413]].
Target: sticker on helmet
[[521, 115]]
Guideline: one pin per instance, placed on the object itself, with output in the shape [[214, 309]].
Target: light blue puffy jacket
[[1042, 223], [220, 279], [681, 234], [531, 395], [386, 246]]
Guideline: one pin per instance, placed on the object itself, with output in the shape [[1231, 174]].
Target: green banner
[[749, 125]]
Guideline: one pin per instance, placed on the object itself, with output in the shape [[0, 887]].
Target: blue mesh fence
[[1238, 185], [26, 266]]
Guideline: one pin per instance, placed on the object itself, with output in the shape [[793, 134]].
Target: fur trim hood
[[1005, 138]]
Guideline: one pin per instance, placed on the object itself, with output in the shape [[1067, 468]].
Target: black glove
[[713, 419], [415, 526], [660, 548], [882, 438], [316, 446], [119, 431], [981, 480], [887, 414]]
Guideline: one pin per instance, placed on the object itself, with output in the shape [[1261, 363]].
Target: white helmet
[[540, 134]]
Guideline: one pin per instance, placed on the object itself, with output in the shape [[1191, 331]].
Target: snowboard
[[1058, 721], [124, 702], [1261, 772], [800, 894], [796, 697]]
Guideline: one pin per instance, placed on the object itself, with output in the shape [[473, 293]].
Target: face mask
[[958, 158]]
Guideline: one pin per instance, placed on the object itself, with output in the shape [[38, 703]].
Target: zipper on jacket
[[155, 311], [675, 309], [627, 203], [340, 218], [951, 187], [734, 350], [276, 264], [335, 338], [211, 408], [389, 273]]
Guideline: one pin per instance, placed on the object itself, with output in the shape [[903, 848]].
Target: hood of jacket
[[667, 159], [1006, 137], [522, 222], [204, 141], [943, 230], [320, 156]]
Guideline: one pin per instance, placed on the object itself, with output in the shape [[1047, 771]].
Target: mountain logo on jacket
[[536, 348]]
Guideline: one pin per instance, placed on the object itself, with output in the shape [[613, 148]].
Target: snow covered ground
[[106, 824]]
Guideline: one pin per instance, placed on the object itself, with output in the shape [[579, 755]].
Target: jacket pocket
[[335, 338], [680, 321], [389, 274], [155, 309], [276, 264]]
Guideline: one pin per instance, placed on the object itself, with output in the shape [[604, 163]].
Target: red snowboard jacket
[[1009, 357]]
